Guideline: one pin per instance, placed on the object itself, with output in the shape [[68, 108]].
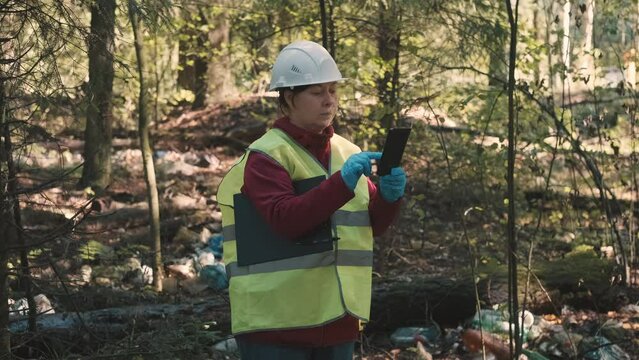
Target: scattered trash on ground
[[574, 335]]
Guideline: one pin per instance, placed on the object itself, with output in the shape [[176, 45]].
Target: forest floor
[[100, 262]]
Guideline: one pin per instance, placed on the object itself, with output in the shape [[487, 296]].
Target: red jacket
[[270, 188]]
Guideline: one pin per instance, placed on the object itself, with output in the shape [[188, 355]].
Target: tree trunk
[[96, 172], [328, 26], [539, 36], [324, 25], [388, 44], [219, 67], [328, 39], [637, 29], [516, 338], [587, 60], [201, 67], [13, 203], [550, 37], [331, 30], [5, 337], [565, 50], [194, 66], [147, 150]]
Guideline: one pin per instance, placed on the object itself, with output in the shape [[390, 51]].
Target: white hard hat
[[303, 63]]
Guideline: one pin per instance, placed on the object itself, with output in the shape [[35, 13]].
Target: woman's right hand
[[356, 165]]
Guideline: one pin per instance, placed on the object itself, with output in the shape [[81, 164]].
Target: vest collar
[[307, 139]]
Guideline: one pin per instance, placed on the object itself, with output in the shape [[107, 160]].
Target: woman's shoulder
[[342, 142], [272, 138]]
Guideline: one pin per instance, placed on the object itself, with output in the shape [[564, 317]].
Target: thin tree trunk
[[622, 32], [219, 72], [637, 29], [587, 61], [634, 185], [539, 36], [193, 65], [96, 172], [5, 337], [328, 38], [565, 48], [324, 25], [548, 34], [331, 29], [328, 26], [388, 44], [13, 202], [200, 64], [513, 301], [635, 182], [147, 151]]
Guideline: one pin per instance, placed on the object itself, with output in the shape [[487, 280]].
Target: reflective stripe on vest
[[344, 258], [351, 218]]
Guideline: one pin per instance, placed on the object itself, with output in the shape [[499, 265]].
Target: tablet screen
[[393, 150]]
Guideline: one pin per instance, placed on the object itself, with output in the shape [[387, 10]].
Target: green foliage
[[583, 250], [181, 97], [95, 250]]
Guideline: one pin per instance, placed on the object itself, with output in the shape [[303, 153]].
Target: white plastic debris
[[20, 307], [43, 304], [85, 273], [147, 274]]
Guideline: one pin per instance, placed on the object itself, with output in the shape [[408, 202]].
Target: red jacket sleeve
[[270, 188]]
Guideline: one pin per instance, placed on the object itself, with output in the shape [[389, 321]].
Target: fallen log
[[580, 280], [413, 300], [418, 300], [118, 322]]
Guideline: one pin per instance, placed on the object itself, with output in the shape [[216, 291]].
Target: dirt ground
[[193, 152]]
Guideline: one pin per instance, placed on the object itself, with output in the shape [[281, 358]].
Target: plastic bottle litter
[[408, 336], [216, 245], [215, 276], [494, 321]]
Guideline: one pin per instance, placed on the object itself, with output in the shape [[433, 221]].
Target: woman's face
[[314, 108]]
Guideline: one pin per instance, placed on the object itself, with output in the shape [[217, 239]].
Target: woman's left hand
[[392, 186]]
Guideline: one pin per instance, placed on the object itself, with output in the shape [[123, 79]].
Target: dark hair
[[295, 90]]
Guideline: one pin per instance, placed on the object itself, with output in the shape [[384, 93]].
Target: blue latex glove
[[356, 165], [392, 186]]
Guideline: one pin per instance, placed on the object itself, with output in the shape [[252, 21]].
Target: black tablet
[[393, 150]]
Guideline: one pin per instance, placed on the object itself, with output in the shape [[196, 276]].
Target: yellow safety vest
[[309, 290]]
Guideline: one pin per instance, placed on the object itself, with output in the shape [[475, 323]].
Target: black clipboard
[[393, 150], [257, 243]]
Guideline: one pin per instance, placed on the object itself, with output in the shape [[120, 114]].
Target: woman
[[311, 305]]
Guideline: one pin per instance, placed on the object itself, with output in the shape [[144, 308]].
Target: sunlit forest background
[[118, 119]]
